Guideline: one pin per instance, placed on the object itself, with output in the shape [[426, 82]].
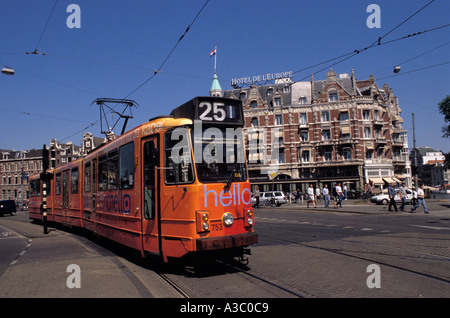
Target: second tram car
[[174, 186]]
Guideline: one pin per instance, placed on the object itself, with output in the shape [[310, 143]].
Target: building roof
[[215, 83], [425, 150]]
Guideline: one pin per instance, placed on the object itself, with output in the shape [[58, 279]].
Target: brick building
[[333, 130], [15, 167]]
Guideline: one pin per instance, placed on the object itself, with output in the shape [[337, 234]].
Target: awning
[[397, 118], [389, 180], [377, 180]]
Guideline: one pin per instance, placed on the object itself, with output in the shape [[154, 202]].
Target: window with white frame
[[278, 120], [305, 156], [303, 119], [367, 133]]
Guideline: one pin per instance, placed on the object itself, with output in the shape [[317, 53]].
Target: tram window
[[58, 184], [112, 170], [87, 177], [222, 155], [126, 166], [74, 181], [35, 187], [102, 173], [178, 158]]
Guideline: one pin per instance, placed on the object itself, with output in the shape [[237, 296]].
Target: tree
[[444, 109]]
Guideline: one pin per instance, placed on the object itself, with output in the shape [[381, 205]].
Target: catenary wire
[[46, 24], [155, 72]]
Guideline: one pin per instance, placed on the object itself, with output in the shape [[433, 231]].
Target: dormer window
[[333, 97]]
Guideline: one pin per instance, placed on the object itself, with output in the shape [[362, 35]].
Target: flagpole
[[215, 60]]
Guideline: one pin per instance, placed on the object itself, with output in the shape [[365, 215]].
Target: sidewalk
[[436, 207], [44, 269]]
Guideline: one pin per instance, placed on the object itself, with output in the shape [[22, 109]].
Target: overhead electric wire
[[376, 43], [40, 115], [155, 72], [45, 27], [413, 71], [415, 57], [401, 23]]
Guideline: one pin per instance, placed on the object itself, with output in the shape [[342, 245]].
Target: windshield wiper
[[232, 176]]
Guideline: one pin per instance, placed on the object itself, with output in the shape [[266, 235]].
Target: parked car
[[274, 198], [7, 207], [384, 197]]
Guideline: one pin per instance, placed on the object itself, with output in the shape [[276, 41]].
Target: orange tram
[[173, 187]]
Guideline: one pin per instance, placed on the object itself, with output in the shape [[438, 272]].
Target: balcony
[[346, 141], [380, 141]]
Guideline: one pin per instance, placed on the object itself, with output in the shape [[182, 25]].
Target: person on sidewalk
[[257, 195], [326, 195], [310, 196], [402, 194], [420, 200], [391, 192], [317, 194], [339, 196]]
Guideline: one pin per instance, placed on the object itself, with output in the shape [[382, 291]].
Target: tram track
[[264, 280], [175, 286], [374, 259]]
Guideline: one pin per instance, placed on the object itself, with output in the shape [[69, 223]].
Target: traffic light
[[45, 158]]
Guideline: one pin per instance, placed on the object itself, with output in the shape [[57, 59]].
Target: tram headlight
[[228, 219]]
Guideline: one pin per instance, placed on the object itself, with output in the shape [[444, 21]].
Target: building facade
[[15, 168], [430, 166], [323, 132]]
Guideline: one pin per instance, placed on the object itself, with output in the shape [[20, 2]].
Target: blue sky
[[120, 43]]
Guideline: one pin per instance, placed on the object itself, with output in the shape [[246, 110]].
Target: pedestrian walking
[[335, 196], [326, 196], [339, 197], [420, 200], [391, 192], [345, 191], [317, 194], [257, 195], [402, 193], [310, 196]]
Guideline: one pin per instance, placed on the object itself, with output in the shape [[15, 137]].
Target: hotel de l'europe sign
[[261, 78]]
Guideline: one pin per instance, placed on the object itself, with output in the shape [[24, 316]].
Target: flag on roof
[[213, 52]]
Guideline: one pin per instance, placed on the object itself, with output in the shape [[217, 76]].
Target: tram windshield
[[219, 154]]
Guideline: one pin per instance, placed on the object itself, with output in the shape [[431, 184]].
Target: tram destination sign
[[214, 110]]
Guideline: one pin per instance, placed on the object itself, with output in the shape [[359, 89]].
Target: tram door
[[94, 185], [151, 227], [65, 194]]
